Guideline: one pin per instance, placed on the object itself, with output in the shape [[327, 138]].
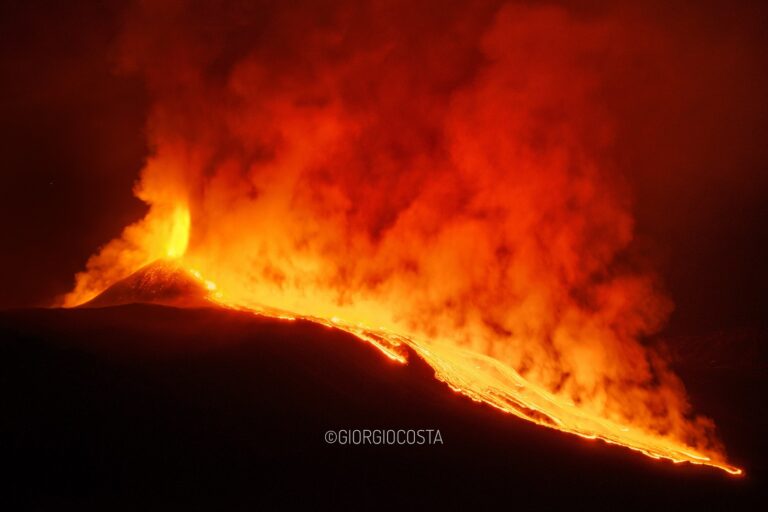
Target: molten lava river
[[451, 195]]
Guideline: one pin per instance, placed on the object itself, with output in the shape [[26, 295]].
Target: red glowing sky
[[692, 128]]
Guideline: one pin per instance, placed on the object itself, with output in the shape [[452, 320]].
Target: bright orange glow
[[179, 236], [417, 195], [489, 381], [486, 380]]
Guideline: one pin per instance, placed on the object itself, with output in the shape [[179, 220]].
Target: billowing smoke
[[442, 169]]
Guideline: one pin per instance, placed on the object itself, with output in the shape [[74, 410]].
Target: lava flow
[[435, 182]]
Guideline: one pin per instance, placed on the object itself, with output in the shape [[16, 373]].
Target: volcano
[[162, 282], [170, 282], [148, 404]]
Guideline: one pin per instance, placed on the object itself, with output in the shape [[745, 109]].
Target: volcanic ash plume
[[436, 175]]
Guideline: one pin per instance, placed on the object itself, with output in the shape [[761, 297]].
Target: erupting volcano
[[449, 187], [162, 282]]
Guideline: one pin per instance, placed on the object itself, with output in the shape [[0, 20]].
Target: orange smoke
[[436, 178]]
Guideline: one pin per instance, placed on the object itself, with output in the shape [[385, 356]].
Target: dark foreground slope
[[150, 405]]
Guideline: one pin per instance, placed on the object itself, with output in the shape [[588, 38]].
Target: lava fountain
[[435, 181]]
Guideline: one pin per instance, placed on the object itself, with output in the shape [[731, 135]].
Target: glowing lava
[[475, 375], [179, 236]]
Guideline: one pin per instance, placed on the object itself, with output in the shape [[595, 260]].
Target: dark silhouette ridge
[[146, 405]]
